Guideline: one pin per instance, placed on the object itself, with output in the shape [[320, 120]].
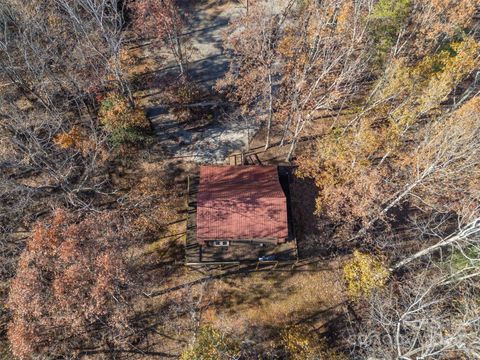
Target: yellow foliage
[[297, 344], [211, 344], [300, 345], [116, 113], [54, 21], [286, 45], [434, 77], [340, 158], [128, 58], [363, 274], [341, 162], [420, 89], [451, 70], [64, 140]]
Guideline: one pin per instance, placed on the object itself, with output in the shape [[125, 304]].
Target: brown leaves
[[116, 113], [157, 18], [68, 285], [77, 138], [436, 18], [153, 202]]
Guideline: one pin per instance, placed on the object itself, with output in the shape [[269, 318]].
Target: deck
[[193, 251], [237, 252]]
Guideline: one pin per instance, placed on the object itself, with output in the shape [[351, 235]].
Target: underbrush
[[184, 97]]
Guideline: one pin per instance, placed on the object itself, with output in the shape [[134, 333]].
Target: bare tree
[[255, 71], [55, 57], [417, 320], [105, 20], [165, 21], [465, 239], [297, 61]]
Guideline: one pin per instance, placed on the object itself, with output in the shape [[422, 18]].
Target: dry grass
[[256, 306], [277, 298]]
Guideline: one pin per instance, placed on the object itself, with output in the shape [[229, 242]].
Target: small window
[[221, 243]]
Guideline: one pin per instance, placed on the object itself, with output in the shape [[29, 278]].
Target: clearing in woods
[[242, 301]]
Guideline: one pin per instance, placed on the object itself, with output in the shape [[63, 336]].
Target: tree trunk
[[409, 188], [177, 46], [293, 145], [298, 130], [285, 130], [293, 109], [471, 229], [270, 110]]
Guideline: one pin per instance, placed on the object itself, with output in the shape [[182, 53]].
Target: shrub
[[211, 344], [298, 344], [364, 273], [77, 138], [462, 260], [120, 136], [387, 18], [123, 122], [184, 92]]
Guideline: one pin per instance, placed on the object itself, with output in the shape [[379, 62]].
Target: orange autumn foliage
[[70, 287], [77, 139]]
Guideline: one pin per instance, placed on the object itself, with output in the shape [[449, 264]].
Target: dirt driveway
[[207, 22]]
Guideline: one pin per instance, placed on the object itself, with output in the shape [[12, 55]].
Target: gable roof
[[241, 203]]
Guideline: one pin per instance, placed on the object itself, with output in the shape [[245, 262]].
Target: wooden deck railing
[[249, 157]]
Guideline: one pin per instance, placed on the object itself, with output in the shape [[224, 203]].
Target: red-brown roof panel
[[241, 203]]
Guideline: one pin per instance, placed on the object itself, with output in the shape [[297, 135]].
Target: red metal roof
[[241, 203]]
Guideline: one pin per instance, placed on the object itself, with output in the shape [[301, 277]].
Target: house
[[241, 204]]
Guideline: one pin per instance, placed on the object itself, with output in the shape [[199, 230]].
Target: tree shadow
[[126, 353]]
